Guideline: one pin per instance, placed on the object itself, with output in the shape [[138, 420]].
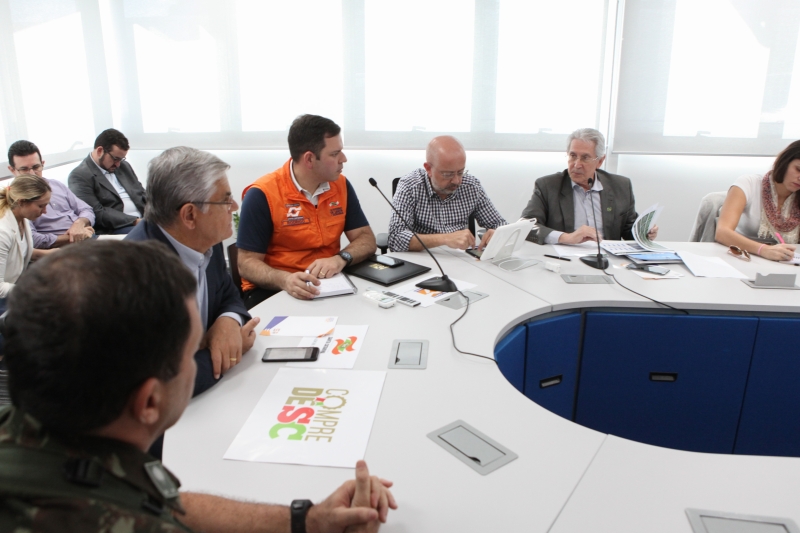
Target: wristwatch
[[299, 511], [346, 256]]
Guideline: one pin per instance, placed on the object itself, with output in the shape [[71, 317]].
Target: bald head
[[445, 162], [445, 146]]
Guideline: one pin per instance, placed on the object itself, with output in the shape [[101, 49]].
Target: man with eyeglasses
[[107, 182], [68, 218], [566, 204], [190, 210], [438, 201]]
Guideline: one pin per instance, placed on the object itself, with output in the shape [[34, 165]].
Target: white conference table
[[689, 292], [567, 477]]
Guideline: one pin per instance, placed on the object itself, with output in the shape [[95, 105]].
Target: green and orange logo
[[316, 420], [343, 345]]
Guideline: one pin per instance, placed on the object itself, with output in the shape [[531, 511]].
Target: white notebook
[[336, 286]]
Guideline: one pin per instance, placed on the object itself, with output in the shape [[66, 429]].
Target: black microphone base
[[443, 284], [595, 261]]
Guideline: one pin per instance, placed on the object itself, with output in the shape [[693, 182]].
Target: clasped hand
[[359, 505]]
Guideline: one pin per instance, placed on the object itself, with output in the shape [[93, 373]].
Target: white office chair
[[705, 225]]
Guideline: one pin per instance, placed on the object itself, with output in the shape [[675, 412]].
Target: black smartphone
[[283, 355], [391, 262], [653, 269], [474, 252]]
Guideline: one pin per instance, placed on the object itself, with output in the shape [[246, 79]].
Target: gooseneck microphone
[[443, 283], [595, 261]]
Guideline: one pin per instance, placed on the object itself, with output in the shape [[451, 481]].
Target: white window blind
[[708, 77], [659, 76], [51, 76]]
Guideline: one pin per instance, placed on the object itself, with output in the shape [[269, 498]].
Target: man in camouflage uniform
[[91, 394]]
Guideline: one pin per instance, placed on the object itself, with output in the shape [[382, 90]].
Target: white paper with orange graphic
[[299, 326], [337, 351], [425, 297], [318, 417]]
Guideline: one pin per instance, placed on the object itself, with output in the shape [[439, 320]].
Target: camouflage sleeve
[[78, 515]]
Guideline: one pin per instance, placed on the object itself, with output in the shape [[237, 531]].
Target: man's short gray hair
[[178, 176], [589, 135]]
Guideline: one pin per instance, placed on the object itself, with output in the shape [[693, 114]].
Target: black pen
[[556, 257]]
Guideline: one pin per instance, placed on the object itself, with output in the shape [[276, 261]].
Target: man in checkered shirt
[[438, 199]]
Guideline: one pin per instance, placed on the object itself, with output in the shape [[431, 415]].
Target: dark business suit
[[552, 205], [90, 185], [223, 297]]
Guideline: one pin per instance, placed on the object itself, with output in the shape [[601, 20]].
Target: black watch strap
[[346, 256], [299, 511]]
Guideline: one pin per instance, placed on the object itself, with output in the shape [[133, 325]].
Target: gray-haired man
[[566, 204], [189, 208]]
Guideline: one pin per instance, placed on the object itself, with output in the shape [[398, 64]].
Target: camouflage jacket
[[60, 483]]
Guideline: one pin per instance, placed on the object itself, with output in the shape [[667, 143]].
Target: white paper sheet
[[311, 417], [337, 351], [709, 267], [575, 250], [425, 297], [300, 326], [794, 261]]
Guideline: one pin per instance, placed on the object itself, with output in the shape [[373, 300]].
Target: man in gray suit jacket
[[105, 181], [566, 204]]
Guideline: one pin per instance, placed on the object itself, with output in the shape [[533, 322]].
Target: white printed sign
[[311, 417]]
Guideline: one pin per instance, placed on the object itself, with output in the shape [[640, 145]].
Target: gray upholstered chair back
[[705, 225]]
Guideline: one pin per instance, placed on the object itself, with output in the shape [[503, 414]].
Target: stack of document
[[621, 247], [654, 258]]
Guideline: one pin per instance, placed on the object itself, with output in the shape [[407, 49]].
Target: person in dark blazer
[[107, 182], [567, 203], [190, 210]]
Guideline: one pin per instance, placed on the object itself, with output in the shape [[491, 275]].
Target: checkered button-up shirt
[[427, 213]]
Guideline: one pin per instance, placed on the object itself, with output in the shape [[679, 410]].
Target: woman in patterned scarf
[[761, 214]]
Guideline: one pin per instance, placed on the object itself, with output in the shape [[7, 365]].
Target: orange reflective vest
[[301, 231]]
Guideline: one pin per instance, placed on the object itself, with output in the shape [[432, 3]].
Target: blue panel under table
[[510, 356], [674, 381], [770, 422], [551, 367]]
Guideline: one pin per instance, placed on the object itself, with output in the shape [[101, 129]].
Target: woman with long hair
[[761, 210], [25, 199]]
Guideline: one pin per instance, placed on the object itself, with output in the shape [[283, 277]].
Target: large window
[[290, 61], [419, 65], [708, 76], [549, 65], [51, 76], [657, 76]]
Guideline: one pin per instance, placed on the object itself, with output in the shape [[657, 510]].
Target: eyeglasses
[[738, 253], [34, 168], [584, 158], [452, 174], [116, 159], [229, 203]]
